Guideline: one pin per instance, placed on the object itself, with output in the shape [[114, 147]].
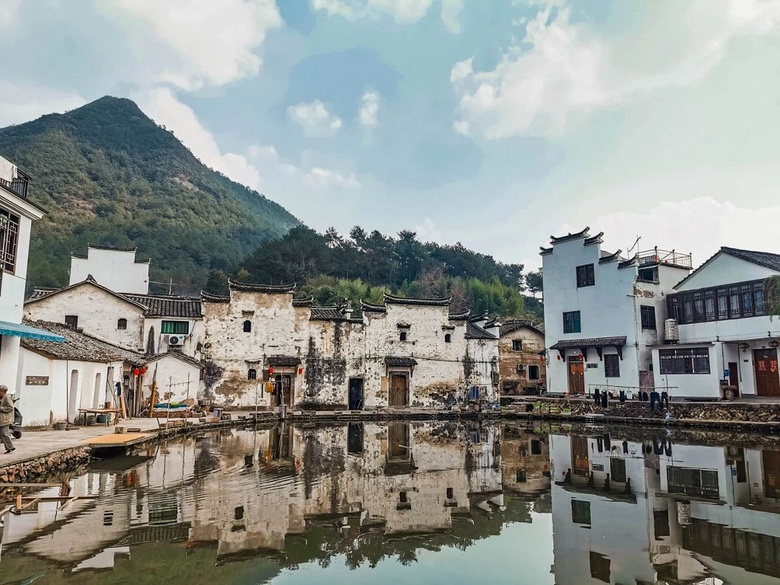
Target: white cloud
[[450, 14], [561, 70], [21, 102], [369, 109], [162, 106], [212, 42], [428, 231], [314, 118], [321, 177], [668, 225], [403, 11], [9, 12]]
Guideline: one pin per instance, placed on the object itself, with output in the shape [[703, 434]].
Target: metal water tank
[[671, 331]]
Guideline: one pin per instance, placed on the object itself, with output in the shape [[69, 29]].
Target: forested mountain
[[363, 265], [108, 175]]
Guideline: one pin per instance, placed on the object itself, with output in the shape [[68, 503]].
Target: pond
[[422, 502]]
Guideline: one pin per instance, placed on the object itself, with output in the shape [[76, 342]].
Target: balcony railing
[[658, 256], [17, 185]]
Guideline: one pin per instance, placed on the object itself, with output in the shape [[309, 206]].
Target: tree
[[534, 282]]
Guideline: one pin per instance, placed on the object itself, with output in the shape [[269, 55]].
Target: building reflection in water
[[626, 508]]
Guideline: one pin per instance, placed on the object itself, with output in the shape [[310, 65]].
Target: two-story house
[[17, 214], [602, 313], [726, 343]]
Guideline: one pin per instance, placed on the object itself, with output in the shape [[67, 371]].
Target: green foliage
[[363, 266], [533, 282], [108, 175]]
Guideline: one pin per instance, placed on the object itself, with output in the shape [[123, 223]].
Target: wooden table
[[112, 412]]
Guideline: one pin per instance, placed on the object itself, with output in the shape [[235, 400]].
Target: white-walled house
[[603, 313], [173, 372], [56, 379], [115, 268], [727, 341], [139, 322], [17, 214]]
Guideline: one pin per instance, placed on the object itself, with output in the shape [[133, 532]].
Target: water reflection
[[422, 502]]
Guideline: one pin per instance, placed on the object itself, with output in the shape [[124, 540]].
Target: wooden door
[[579, 455], [767, 376], [771, 464], [398, 439], [398, 389], [576, 374], [734, 374], [284, 390]]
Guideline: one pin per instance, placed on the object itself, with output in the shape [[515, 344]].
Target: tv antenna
[[634, 245]]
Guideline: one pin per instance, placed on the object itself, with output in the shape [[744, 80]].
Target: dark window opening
[[686, 360], [571, 322], [402, 336], [647, 313], [447, 338], [736, 301], [611, 365], [252, 375], [533, 372], [402, 497], [9, 224], [72, 321], [693, 482], [238, 513], [520, 476], [599, 567], [175, 327], [580, 512], [450, 493], [617, 470], [517, 345], [355, 438], [661, 523], [121, 324], [586, 275], [247, 326], [648, 274], [536, 447]]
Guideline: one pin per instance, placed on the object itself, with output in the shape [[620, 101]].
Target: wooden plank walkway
[[117, 440]]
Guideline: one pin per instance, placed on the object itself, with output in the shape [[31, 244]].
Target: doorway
[[734, 375], [576, 374], [356, 393], [284, 390], [73, 395], [771, 464], [579, 455], [399, 390], [767, 376]]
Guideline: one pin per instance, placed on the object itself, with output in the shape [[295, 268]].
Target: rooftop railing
[[658, 256], [17, 185]]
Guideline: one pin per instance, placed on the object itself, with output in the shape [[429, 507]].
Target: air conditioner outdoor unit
[[521, 367], [174, 340]]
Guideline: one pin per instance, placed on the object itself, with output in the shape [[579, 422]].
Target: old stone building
[[521, 351], [263, 347]]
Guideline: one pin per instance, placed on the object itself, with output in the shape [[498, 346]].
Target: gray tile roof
[[178, 355], [168, 306], [391, 299], [78, 346], [765, 259], [474, 331], [515, 324], [400, 362], [263, 288], [283, 360], [590, 342]]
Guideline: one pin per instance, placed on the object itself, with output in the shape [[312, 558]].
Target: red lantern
[[143, 370], [271, 370], [136, 371], [300, 371]]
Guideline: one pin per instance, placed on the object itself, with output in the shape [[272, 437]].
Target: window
[[648, 274], [585, 276], [72, 321], [648, 317], [685, 360], [536, 447], [402, 497], [355, 438], [617, 470], [121, 324], [693, 482], [402, 336], [447, 338], [661, 523], [735, 301], [450, 493], [533, 372], [238, 512], [571, 322], [520, 476], [252, 375], [580, 512], [517, 345], [9, 224], [611, 365], [247, 326], [176, 327], [599, 567]]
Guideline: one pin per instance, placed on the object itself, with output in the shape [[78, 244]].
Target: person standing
[[6, 419]]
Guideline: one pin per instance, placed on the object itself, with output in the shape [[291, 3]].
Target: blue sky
[[493, 123]]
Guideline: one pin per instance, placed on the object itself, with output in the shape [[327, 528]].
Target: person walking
[[6, 419]]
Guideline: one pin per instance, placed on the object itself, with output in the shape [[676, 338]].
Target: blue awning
[[22, 330]]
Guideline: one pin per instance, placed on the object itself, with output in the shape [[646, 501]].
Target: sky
[[494, 124]]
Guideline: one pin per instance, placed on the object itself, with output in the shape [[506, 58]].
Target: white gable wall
[[725, 269], [114, 269]]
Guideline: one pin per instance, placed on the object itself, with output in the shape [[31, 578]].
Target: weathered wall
[[511, 380]]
